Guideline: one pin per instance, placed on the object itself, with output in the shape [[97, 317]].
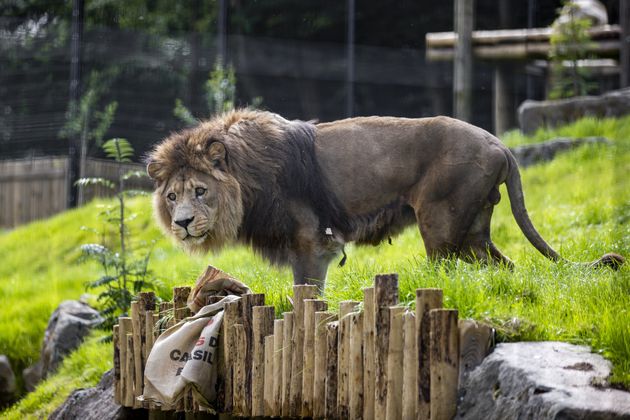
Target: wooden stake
[[320, 362], [356, 366], [249, 302], [287, 353], [136, 322], [240, 373], [385, 295], [126, 381], [444, 350], [268, 377], [149, 335], [278, 344], [332, 340], [129, 372], [231, 317], [395, 364], [308, 377], [262, 326], [343, 368], [146, 302], [426, 299], [300, 292], [369, 319], [410, 367], [180, 296], [117, 382], [475, 342]]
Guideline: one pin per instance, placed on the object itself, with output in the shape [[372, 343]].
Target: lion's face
[[199, 206]]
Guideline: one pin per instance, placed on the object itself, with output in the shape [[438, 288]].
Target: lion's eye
[[200, 191], [171, 196]]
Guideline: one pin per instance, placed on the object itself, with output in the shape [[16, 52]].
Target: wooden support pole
[[395, 364], [300, 292], [320, 363], [463, 62], [287, 353], [278, 344], [136, 323], [444, 350], [231, 317], [410, 367], [426, 299], [624, 45], [475, 343], [268, 377], [355, 383], [125, 327], [249, 302], [149, 324], [180, 312], [117, 383], [262, 326], [180, 296], [129, 372], [369, 319], [385, 295], [343, 368], [146, 303], [240, 371], [308, 377], [332, 340]]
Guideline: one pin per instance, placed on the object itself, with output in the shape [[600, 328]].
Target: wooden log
[[149, 333], [395, 372], [308, 376], [125, 327], [232, 316], [278, 344], [180, 296], [240, 373], [369, 319], [355, 383], [117, 382], [426, 300], [268, 378], [300, 292], [343, 369], [320, 362], [146, 303], [138, 383], [262, 326], [249, 302], [129, 372], [444, 351], [287, 353], [332, 342], [463, 61], [475, 343], [410, 367], [385, 295]]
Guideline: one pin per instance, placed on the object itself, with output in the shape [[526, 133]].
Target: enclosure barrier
[[372, 360]]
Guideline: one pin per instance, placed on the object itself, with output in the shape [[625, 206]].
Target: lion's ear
[[218, 155], [153, 170]]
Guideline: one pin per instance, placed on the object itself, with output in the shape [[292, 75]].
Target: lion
[[297, 191]]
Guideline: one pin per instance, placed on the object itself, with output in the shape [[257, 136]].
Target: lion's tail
[[517, 203]]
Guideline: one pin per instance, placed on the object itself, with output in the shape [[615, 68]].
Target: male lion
[[297, 191]]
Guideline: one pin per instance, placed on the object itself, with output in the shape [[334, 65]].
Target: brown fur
[[297, 192]]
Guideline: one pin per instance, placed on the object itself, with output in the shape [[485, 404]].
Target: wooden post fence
[[375, 359]]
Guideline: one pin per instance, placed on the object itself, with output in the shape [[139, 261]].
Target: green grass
[[580, 203]]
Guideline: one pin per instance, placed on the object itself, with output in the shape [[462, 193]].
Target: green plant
[[570, 42], [125, 269], [220, 92]]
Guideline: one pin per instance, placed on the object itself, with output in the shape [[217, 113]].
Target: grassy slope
[[580, 202]]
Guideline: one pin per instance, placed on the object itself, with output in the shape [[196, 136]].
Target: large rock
[[95, 404], [535, 114], [67, 327], [546, 380], [7, 380], [531, 154]]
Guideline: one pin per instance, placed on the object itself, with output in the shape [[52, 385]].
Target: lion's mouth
[[196, 238]]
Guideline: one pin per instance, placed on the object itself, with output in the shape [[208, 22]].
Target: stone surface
[[7, 380], [542, 380], [535, 114], [95, 404], [67, 327], [534, 153]]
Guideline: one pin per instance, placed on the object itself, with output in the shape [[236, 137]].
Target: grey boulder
[[7, 380], [531, 154], [541, 380]]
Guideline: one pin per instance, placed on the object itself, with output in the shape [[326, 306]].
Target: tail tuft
[[611, 260]]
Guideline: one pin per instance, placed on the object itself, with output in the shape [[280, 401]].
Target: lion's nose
[[184, 222]]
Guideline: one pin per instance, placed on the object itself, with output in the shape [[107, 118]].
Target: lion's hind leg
[[478, 246]]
